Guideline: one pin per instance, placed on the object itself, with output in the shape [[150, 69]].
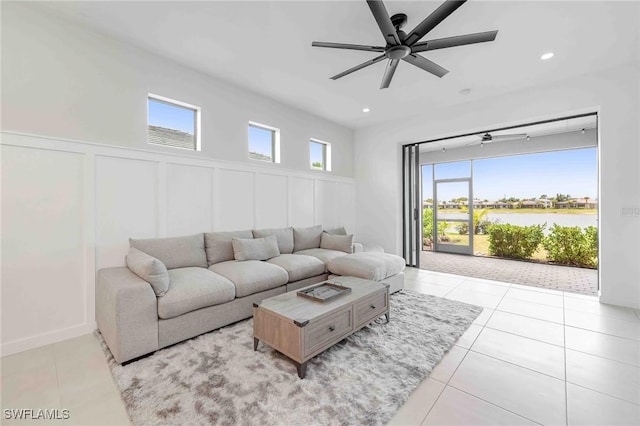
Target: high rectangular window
[[264, 143], [173, 123], [320, 155]]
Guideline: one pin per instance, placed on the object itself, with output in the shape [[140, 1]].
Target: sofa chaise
[[173, 289]]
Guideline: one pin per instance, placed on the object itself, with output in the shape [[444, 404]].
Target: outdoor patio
[[563, 278]]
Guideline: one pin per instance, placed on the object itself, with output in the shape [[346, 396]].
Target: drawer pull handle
[[332, 327], [373, 306]]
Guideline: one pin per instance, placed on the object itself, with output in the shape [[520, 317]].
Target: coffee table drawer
[[371, 308], [319, 333]]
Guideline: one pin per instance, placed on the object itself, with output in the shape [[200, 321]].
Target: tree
[[317, 165], [478, 218], [562, 197], [543, 197]]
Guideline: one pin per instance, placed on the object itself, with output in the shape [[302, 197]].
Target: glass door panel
[[453, 215]]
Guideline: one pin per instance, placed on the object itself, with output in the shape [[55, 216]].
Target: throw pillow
[[307, 238], [337, 242], [255, 248], [336, 231], [149, 269]]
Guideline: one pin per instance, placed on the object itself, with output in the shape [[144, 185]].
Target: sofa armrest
[[126, 313]]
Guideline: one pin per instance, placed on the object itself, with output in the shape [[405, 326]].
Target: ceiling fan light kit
[[402, 46]]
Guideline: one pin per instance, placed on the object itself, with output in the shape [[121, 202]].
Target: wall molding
[[121, 187]]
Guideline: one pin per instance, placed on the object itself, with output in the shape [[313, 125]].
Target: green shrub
[[427, 223], [571, 246], [516, 242]]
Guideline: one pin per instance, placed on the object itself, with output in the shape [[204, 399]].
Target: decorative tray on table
[[324, 292]]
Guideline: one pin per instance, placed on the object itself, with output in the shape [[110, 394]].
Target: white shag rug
[[217, 378]]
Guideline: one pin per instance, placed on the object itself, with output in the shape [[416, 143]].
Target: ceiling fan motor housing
[[397, 52]]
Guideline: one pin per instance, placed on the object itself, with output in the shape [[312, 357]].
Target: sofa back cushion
[[218, 245], [307, 238], [283, 235], [176, 252], [337, 242], [255, 248], [149, 269]]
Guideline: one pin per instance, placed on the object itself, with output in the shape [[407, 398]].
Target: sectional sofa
[[173, 289]]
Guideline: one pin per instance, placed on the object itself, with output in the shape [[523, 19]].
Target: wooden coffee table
[[301, 328]]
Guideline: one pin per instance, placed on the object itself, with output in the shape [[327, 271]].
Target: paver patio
[[564, 278]]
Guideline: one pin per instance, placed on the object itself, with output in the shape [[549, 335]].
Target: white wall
[[69, 208], [79, 179], [61, 80], [615, 94]]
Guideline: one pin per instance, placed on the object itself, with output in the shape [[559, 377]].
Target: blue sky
[[316, 152], [260, 140], [573, 172], [171, 116]]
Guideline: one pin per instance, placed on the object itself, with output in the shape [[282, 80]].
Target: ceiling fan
[[403, 46], [488, 137]]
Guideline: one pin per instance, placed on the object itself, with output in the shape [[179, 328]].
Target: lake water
[[526, 219]]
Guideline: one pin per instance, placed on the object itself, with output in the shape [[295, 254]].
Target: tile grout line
[[462, 360], [492, 403]]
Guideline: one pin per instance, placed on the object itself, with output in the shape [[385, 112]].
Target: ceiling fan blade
[[384, 22], [511, 136], [348, 46], [461, 40], [425, 64], [388, 73], [359, 67], [431, 21]]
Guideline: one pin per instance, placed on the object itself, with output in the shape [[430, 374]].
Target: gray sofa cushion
[[176, 252], [255, 248], [299, 266], [307, 238], [368, 265], [218, 245], [337, 242], [336, 231], [323, 254], [251, 276], [194, 288], [284, 236], [149, 269]]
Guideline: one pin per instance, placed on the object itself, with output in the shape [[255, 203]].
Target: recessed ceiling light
[[365, 109], [547, 56]]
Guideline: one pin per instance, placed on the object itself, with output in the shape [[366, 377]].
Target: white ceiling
[[533, 131], [266, 46]]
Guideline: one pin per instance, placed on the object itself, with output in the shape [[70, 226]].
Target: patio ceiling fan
[[403, 46], [488, 137]]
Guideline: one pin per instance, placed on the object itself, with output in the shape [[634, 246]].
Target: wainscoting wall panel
[[271, 197], [301, 201], [126, 206], [325, 203], [189, 199], [235, 201], [43, 258], [69, 209]]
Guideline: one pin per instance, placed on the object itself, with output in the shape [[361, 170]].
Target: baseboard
[[626, 303], [44, 339]]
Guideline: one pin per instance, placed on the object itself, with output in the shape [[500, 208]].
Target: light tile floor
[[534, 356]]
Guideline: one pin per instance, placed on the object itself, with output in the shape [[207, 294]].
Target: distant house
[[544, 203], [584, 203], [529, 204]]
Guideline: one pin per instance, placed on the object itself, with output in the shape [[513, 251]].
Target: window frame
[[326, 155], [275, 142], [179, 104]]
